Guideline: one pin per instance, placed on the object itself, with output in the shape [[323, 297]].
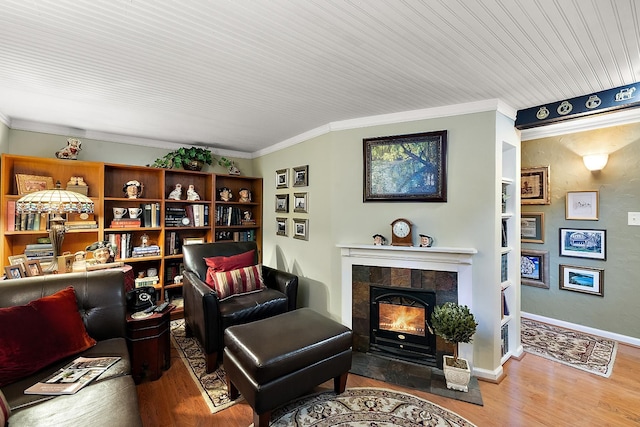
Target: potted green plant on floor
[[192, 158], [455, 324]]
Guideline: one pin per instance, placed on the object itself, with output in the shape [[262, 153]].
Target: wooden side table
[[148, 342]]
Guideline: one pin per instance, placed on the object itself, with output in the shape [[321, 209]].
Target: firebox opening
[[399, 324]]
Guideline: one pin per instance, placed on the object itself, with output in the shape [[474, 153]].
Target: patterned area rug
[[212, 386], [587, 352], [365, 407]]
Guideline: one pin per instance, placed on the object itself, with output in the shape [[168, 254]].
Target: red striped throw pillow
[[236, 282]]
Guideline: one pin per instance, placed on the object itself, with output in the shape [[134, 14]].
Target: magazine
[[73, 376]]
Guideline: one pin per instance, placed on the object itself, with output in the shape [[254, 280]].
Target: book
[[11, 215], [74, 376]]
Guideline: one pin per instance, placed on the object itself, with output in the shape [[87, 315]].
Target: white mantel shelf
[[443, 254]]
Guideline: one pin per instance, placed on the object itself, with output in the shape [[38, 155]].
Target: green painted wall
[[619, 190], [337, 213]]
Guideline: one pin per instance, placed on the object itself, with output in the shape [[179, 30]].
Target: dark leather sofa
[[111, 400], [207, 317]]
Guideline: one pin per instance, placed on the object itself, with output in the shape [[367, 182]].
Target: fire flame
[[402, 318]]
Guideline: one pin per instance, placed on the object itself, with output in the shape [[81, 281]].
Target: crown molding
[[394, 118], [616, 118], [5, 120]]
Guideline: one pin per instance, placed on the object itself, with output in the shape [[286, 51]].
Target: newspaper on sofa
[[74, 376]]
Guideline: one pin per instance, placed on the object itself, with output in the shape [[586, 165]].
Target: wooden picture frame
[[14, 271], [405, 168], [582, 205], [17, 259], [534, 268], [282, 228], [282, 203], [32, 183], [534, 186], [192, 240], [65, 263], [33, 268], [282, 178], [583, 243], [301, 202], [582, 279], [300, 228], [532, 227], [301, 176]]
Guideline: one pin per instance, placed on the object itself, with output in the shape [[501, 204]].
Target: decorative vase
[[457, 378], [193, 165]]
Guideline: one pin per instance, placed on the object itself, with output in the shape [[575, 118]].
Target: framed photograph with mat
[[14, 271], [534, 268], [582, 205], [582, 279], [281, 226], [580, 243], [405, 168], [532, 227], [534, 186]]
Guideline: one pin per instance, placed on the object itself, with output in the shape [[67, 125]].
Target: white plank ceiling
[[244, 75]]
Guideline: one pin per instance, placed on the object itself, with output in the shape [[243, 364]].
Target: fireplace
[[400, 323]]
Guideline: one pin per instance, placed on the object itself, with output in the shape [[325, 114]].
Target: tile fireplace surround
[[434, 263]]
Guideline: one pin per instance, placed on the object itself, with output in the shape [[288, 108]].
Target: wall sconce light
[[595, 162]]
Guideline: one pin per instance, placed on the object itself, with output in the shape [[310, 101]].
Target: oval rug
[[364, 407]]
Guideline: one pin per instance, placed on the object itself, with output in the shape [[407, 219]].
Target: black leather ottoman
[[275, 360]]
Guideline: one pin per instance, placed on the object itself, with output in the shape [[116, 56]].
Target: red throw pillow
[[227, 263], [40, 333], [235, 282]]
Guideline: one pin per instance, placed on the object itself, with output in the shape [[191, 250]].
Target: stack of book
[[80, 225], [39, 251], [140, 251], [147, 281], [125, 223]]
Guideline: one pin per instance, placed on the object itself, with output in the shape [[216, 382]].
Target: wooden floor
[[535, 392]]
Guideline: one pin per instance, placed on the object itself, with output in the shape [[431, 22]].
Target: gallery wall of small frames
[[572, 242], [289, 199]]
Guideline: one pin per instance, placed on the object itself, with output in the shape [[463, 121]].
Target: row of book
[[42, 221], [504, 339], [196, 215], [236, 236], [231, 215]]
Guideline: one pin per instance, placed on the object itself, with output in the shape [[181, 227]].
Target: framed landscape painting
[[582, 279], [406, 168]]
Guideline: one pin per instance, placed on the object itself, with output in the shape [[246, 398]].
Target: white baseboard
[[580, 328]]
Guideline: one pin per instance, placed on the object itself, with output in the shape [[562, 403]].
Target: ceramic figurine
[[426, 241], [133, 189], [225, 194], [176, 193], [379, 240], [245, 195], [70, 152], [191, 193]]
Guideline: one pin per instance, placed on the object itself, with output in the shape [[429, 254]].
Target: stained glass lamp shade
[[56, 201]]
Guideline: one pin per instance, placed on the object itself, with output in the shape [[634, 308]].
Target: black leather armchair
[[207, 317]]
